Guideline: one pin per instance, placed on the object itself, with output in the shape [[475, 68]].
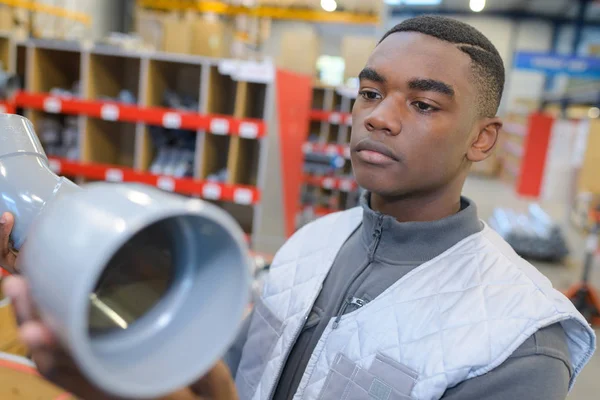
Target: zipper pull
[[340, 313], [350, 301], [357, 302]]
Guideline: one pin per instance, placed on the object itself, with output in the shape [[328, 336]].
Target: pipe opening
[[136, 278]]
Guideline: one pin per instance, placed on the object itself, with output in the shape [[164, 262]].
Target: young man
[[409, 296]]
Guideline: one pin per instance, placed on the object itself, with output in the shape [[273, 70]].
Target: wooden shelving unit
[[333, 189], [221, 116]]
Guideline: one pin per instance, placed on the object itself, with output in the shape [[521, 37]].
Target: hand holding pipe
[[145, 289]]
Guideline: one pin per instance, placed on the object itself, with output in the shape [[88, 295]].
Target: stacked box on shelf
[[188, 124], [328, 183]]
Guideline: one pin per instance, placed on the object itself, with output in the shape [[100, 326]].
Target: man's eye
[[369, 95], [424, 107]]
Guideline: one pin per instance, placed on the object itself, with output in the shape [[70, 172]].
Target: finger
[[36, 335], [17, 289], [6, 224], [7, 256]]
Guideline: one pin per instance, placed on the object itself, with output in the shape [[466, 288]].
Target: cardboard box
[[149, 26], [210, 38], [177, 35], [299, 50], [6, 19], [355, 52]]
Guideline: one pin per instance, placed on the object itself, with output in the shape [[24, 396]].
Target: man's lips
[[375, 152]]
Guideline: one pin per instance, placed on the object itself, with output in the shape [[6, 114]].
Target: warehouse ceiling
[[556, 9]]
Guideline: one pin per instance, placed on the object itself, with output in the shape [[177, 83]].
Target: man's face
[[415, 117]]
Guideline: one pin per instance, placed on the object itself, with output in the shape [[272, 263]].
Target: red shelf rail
[[240, 194], [332, 117], [7, 107], [331, 183], [169, 118], [324, 148]]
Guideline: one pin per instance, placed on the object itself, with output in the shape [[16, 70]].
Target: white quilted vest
[[453, 318]]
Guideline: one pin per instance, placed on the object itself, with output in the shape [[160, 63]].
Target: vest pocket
[[385, 380], [263, 334]]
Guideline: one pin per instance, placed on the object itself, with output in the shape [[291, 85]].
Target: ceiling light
[[329, 5], [477, 5]]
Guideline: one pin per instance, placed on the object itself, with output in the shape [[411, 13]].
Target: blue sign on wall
[[582, 67]]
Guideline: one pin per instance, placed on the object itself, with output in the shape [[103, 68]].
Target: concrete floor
[[488, 194]]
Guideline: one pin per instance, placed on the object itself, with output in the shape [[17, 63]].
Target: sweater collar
[[407, 242]]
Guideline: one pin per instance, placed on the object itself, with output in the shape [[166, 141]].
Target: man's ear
[[485, 139]]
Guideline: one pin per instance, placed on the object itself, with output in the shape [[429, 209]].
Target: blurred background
[[246, 104]]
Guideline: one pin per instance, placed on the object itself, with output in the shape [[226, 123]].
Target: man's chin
[[380, 186]]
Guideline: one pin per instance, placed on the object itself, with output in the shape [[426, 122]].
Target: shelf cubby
[[109, 142], [332, 132], [5, 50], [21, 64], [222, 93], [183, 79], [314, 131], [243, 160], [158, 147], [345, 134], [250, 100], [318, 99], [243, 214], [54, 68], [56, 139], [216, 156], [110, 74], [337, 102]]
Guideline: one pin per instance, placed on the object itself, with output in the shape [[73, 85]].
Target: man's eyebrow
[[431, 85], [371, 75]]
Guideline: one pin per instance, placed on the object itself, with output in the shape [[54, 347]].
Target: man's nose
[[385, 117]]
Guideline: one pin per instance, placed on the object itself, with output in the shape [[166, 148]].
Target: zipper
[[376, 238], [349, 300], [282, 365]]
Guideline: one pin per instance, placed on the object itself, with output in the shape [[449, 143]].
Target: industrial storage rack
[[248, 115], [329, 134]]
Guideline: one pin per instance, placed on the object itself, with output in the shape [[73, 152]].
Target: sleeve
[[234, 354], [538, 370]]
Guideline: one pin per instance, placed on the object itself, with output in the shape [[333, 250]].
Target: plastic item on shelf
[[9, 83], [174, 100], [74, 91], [220, 176], [322, 164], [50, 131], [58, 139], [176, 149], [180, 163], [185, 164], [124, 96], [532, 235], [158, 164], [137, 274]]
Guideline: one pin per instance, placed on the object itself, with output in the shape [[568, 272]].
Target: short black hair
[[488, 67]]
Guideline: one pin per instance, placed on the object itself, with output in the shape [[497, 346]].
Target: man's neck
[[418, 208]]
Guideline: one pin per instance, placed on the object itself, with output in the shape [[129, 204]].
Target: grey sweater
[[380, 252]]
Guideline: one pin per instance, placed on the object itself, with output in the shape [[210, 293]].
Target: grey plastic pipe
[[145, 288]]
